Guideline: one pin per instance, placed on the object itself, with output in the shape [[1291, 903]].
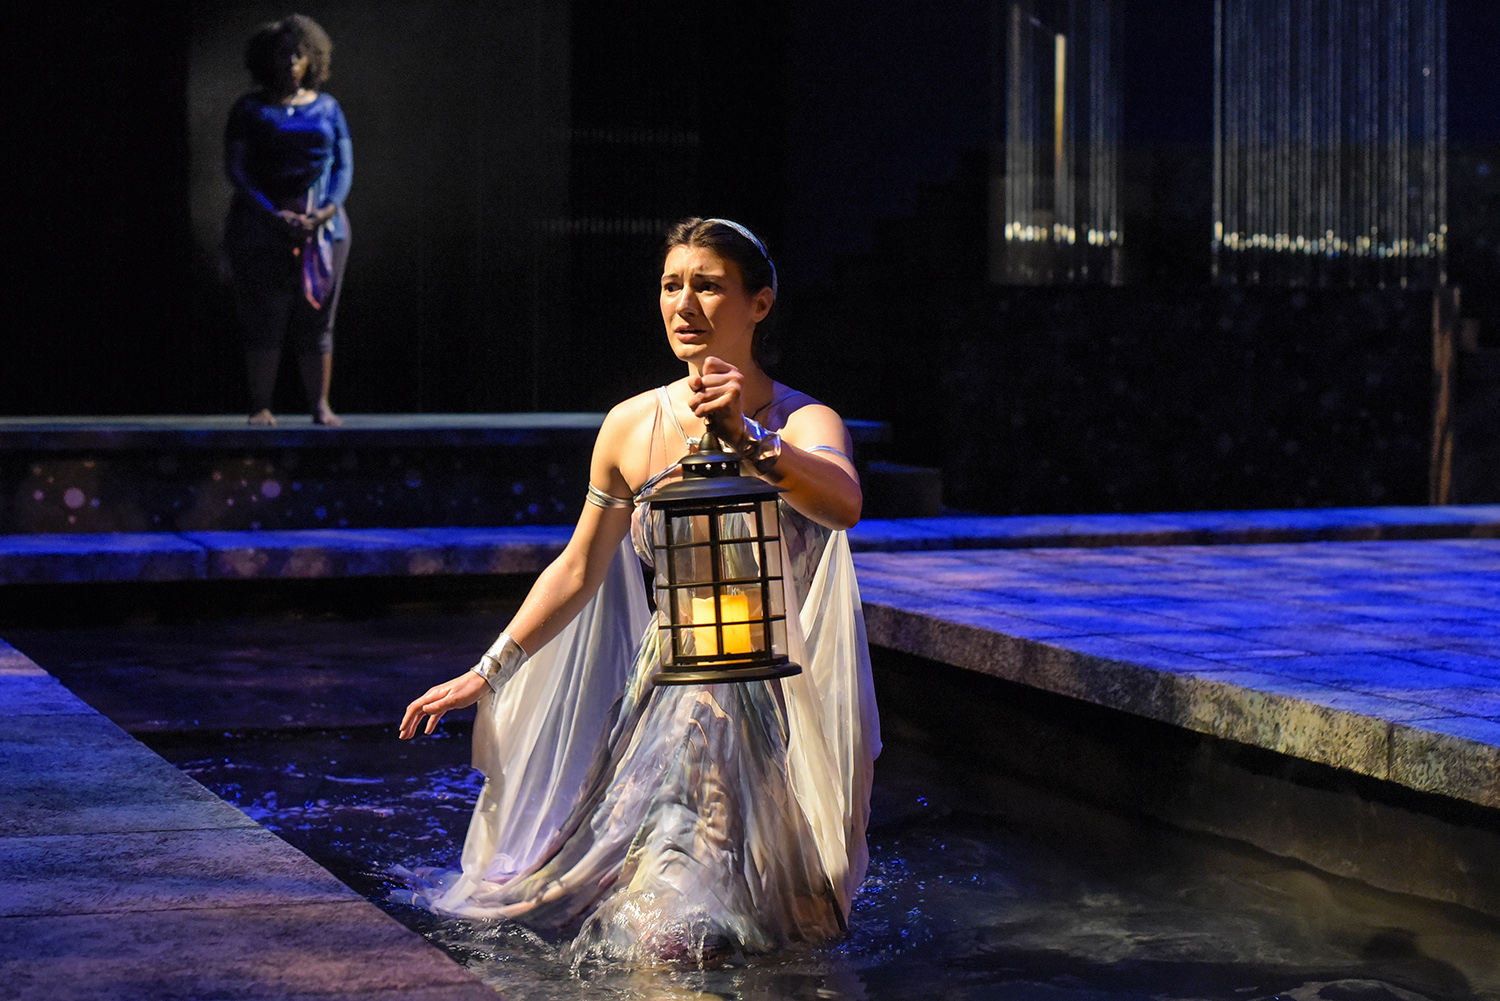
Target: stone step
[[57, 558]]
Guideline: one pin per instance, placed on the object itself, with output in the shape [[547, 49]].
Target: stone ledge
[[324, 950], [315, 553], [160, 870], [125, 879], [1017, 738], [1477, 521], [269, 555], [1303, 675], [96, 557], [324, 553], [226, 431], [229, 431]]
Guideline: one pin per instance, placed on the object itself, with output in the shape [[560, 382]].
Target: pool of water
[[979, 888]]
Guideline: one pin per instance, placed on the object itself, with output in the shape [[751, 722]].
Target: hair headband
[[742, 231]]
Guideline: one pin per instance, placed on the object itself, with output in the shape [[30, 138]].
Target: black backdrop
[[514, 166]]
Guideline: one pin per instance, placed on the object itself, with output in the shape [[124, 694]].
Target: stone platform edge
[[1420, 758], [126, 879], [370, 552], [159, 432]]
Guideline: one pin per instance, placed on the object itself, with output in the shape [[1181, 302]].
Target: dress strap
[[664, 402], [767, 408], [646, 488], [658, 441]]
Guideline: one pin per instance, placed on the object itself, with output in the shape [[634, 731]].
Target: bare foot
[[263, 419], [323, 414]]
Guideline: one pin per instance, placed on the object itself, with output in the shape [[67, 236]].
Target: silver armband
[[832, 451], [500, 661], [599, 498], [762, 447]]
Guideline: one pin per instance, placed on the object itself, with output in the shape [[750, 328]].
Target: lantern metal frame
[[712, 488]]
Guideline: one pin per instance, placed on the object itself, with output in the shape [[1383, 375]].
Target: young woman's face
[[705, 307]]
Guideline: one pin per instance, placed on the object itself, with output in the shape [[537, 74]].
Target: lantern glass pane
[[778, 600], [778, 636], [658, 532], [692, 564], [736, 525], [773, 558], [694, 606], [741, 561], [714, 628], [768, 518], [757, 632], [756, 594], [687, 528]]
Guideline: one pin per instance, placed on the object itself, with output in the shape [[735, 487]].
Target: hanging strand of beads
[[1061, 209], [1330, 141]]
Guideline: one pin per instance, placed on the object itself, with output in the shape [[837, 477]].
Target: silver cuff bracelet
[[503, 659], [762, 448]]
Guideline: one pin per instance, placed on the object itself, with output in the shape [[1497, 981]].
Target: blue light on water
[[964, 899]]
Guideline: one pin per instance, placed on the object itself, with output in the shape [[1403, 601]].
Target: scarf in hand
[[317, 260]]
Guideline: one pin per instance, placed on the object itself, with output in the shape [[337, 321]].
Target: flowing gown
[[658, 824]]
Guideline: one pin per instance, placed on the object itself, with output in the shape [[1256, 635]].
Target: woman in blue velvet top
[[287, 153]]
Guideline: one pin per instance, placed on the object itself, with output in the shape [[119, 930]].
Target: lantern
[[719, 593]]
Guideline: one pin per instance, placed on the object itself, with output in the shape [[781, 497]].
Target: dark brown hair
[[749, 254], [311, 40]]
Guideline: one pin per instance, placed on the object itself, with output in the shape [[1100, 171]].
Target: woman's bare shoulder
[[626, 421], [629, 413], [806, 422], [791, 403]]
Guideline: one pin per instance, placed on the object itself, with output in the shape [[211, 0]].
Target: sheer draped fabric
[[654, 823]]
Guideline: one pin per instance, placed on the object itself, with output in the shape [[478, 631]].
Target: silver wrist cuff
[[503, 659], [762, 447]]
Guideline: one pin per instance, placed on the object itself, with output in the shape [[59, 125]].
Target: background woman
[[706, 819], [288, 155]]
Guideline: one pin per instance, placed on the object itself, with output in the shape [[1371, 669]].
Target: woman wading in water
[[686, 823]]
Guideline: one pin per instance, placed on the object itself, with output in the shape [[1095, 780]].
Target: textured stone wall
[[194, 490], [1052, 400]]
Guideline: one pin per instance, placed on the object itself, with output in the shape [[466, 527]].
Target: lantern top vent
[[711, 473]]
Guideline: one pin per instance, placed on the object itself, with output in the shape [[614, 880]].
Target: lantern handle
[[710, 442]]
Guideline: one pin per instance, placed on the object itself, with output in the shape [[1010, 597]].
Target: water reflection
[[979, 888]]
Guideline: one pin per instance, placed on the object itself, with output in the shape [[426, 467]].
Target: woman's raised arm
[[813, 466]]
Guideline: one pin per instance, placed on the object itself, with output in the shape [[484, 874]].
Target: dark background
[[515, 164]]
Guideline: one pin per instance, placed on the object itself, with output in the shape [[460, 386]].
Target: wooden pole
[[1444, 323]]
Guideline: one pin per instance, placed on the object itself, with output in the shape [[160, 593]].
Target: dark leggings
[[267, 281]]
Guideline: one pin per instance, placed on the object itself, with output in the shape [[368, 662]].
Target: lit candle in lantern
[[736, 625]]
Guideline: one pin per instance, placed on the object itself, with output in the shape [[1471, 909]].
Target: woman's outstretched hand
[[464, 690]]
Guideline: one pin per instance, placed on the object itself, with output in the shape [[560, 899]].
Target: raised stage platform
[[216, 473]]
